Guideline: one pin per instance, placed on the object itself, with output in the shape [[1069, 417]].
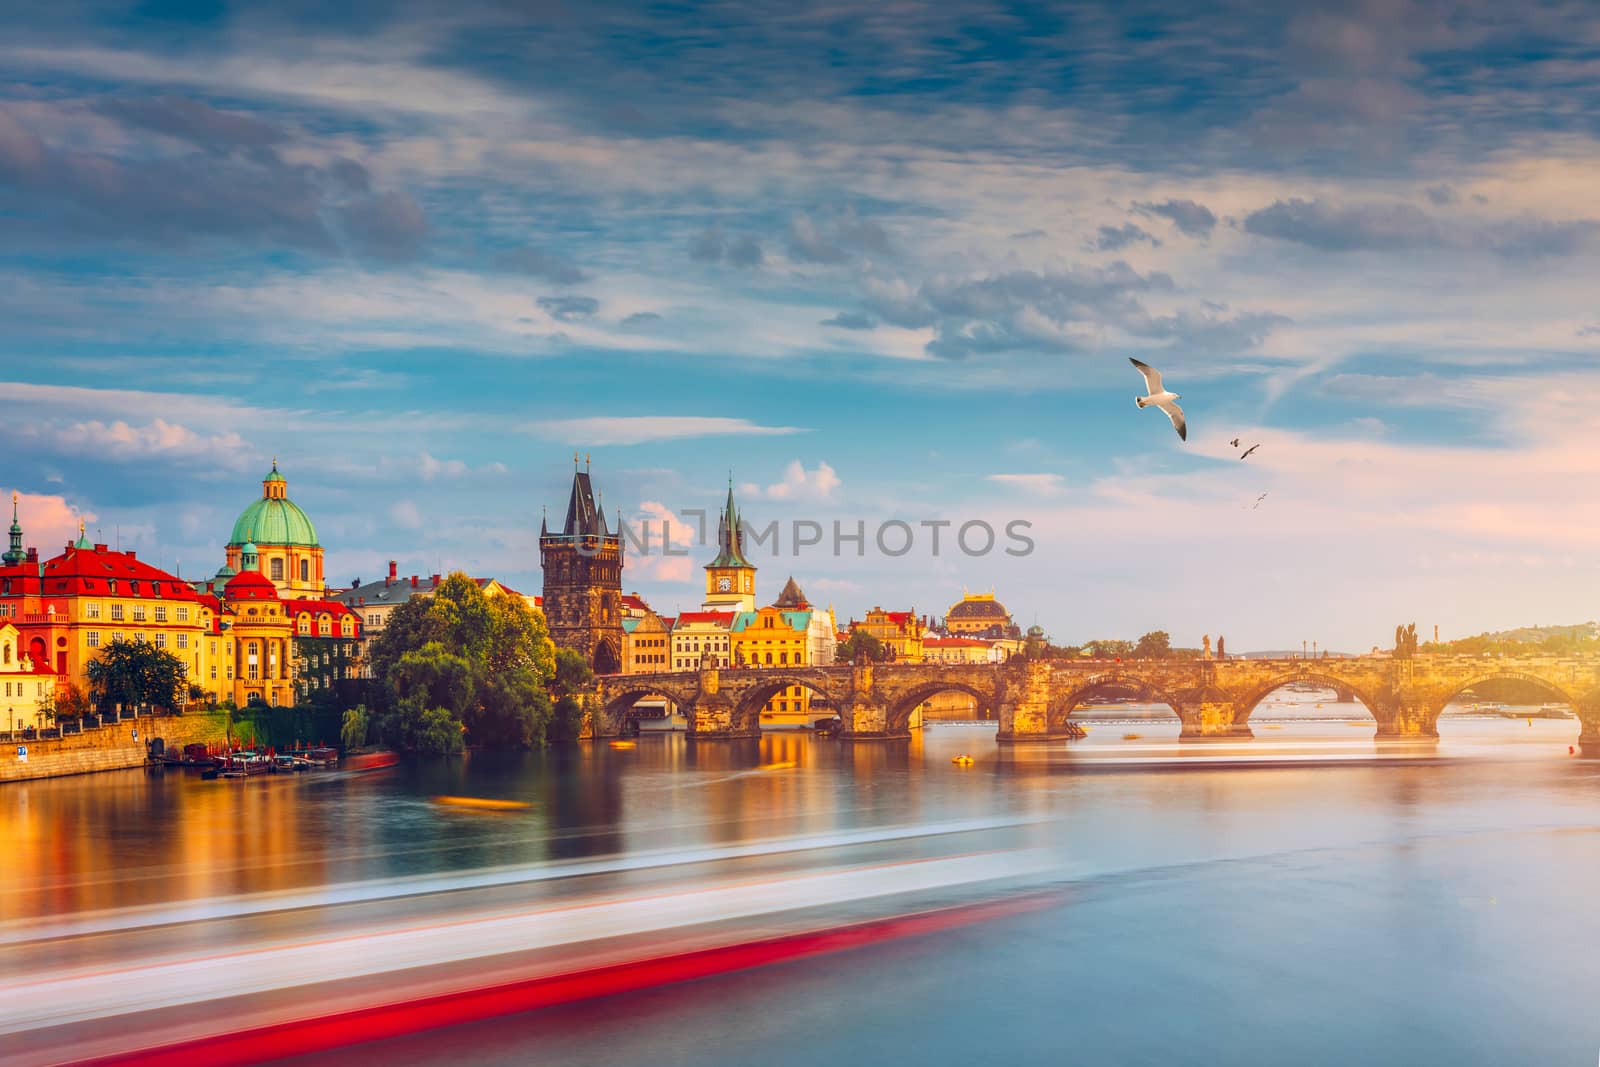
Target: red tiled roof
[[79, 572], [669, 620], [251, 585], [954, 642], [721, 618], [634, 603]]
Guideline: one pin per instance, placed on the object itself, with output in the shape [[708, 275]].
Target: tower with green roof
[[730, 577], [16, 553], [283, 539]]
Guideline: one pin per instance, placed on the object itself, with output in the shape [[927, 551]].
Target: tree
[[860, 643], [66, 703], [353, 731], [572, 677], [133, 673], [1110, 648], [1157, 644], [512, 711], [438, 676]]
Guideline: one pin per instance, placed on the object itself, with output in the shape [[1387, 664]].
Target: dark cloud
[[1116, 238], [1058, 311], [851, 320], [569, 308], [245, 196], [1193, 219], [1396, 226], [540, 264], [640, 318], [193, 121], [836, 240], [1441, 195], [388, 225], [1343, 228], [712, 246], [1028, 235]]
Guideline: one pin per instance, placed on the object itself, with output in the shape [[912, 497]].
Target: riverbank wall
[[109, 748]]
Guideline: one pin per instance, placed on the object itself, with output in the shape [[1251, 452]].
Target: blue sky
[[883, 263]]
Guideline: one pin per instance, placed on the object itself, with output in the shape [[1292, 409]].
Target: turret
[[15, 554]]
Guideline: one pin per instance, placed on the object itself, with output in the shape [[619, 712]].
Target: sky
[[877, 264]]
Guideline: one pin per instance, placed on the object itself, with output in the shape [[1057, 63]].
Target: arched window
[[7, 657], [324, 626], [346, 627], [305, 624]]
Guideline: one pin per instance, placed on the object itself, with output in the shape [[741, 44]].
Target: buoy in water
[[962, 760]]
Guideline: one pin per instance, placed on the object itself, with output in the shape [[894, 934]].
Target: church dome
[[274, 519], [979, 607]]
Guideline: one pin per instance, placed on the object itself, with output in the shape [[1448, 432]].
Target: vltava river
[[1301, 897]]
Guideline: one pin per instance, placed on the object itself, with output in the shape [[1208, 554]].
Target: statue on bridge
[[1220, 646], [1205, 644]]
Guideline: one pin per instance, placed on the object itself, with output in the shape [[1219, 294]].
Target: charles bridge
[[1032, 699]]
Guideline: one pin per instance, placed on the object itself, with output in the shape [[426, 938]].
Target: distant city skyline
[[884, 265]]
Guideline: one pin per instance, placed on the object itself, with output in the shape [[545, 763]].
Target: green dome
[[274, 522]]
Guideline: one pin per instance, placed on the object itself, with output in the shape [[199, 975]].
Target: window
[[254, 670], [116, 613], [277, 570], [117, 636], [304, 626], [111, 587], [324, 626], [183, 614], [161, 613], [305, 570], [133, 587], [91, 610], [347, 628], [139, 637], [94, 639], [138, 613], [213, 672], [183, 640]]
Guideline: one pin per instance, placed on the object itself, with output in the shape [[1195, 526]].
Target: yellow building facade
[[26, 687]]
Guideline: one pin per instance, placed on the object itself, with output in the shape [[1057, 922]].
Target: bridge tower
[[583, 579]]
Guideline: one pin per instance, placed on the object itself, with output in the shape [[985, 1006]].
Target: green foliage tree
[[68, 702], [485, 661], [860, 643], [572, 677], [1110, 648], [1157, 644], [353, 731], [133, 674]]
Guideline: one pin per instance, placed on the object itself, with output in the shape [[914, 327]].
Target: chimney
[[393, 567], [413, 581], [131, 555], [435, 579]]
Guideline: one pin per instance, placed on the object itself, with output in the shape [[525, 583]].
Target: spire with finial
[[15, 554], [83, 538]]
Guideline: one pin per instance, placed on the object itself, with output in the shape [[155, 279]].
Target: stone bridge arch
[[1070, 692], [618, 694], [902, 704], [1249, 699], [752, 688]]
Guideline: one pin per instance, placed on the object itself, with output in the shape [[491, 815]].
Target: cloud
[[1061, 310], [601, 430], [48, 521], [569, 308], [1398, 226], [405, 515], [194, 121], [711, 246], [798, 484], [1441, 195], [1116, 238], [851, 320], [1032, 484], [539, 264], [124, 442], [1191, 218], [639, 318], [1027, 235], [836, 240], [250, 195], [662, 527]]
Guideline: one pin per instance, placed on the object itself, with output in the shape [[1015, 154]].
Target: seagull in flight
[[1234, 442], [1249, 450], [1259, 499], [1160, 398]]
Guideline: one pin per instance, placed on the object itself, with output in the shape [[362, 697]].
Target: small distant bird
[[1234, 442], [1160, 398], [1259, 499], [1249, 450]]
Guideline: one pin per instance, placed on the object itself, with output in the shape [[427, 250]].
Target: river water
[[1305, 896]]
